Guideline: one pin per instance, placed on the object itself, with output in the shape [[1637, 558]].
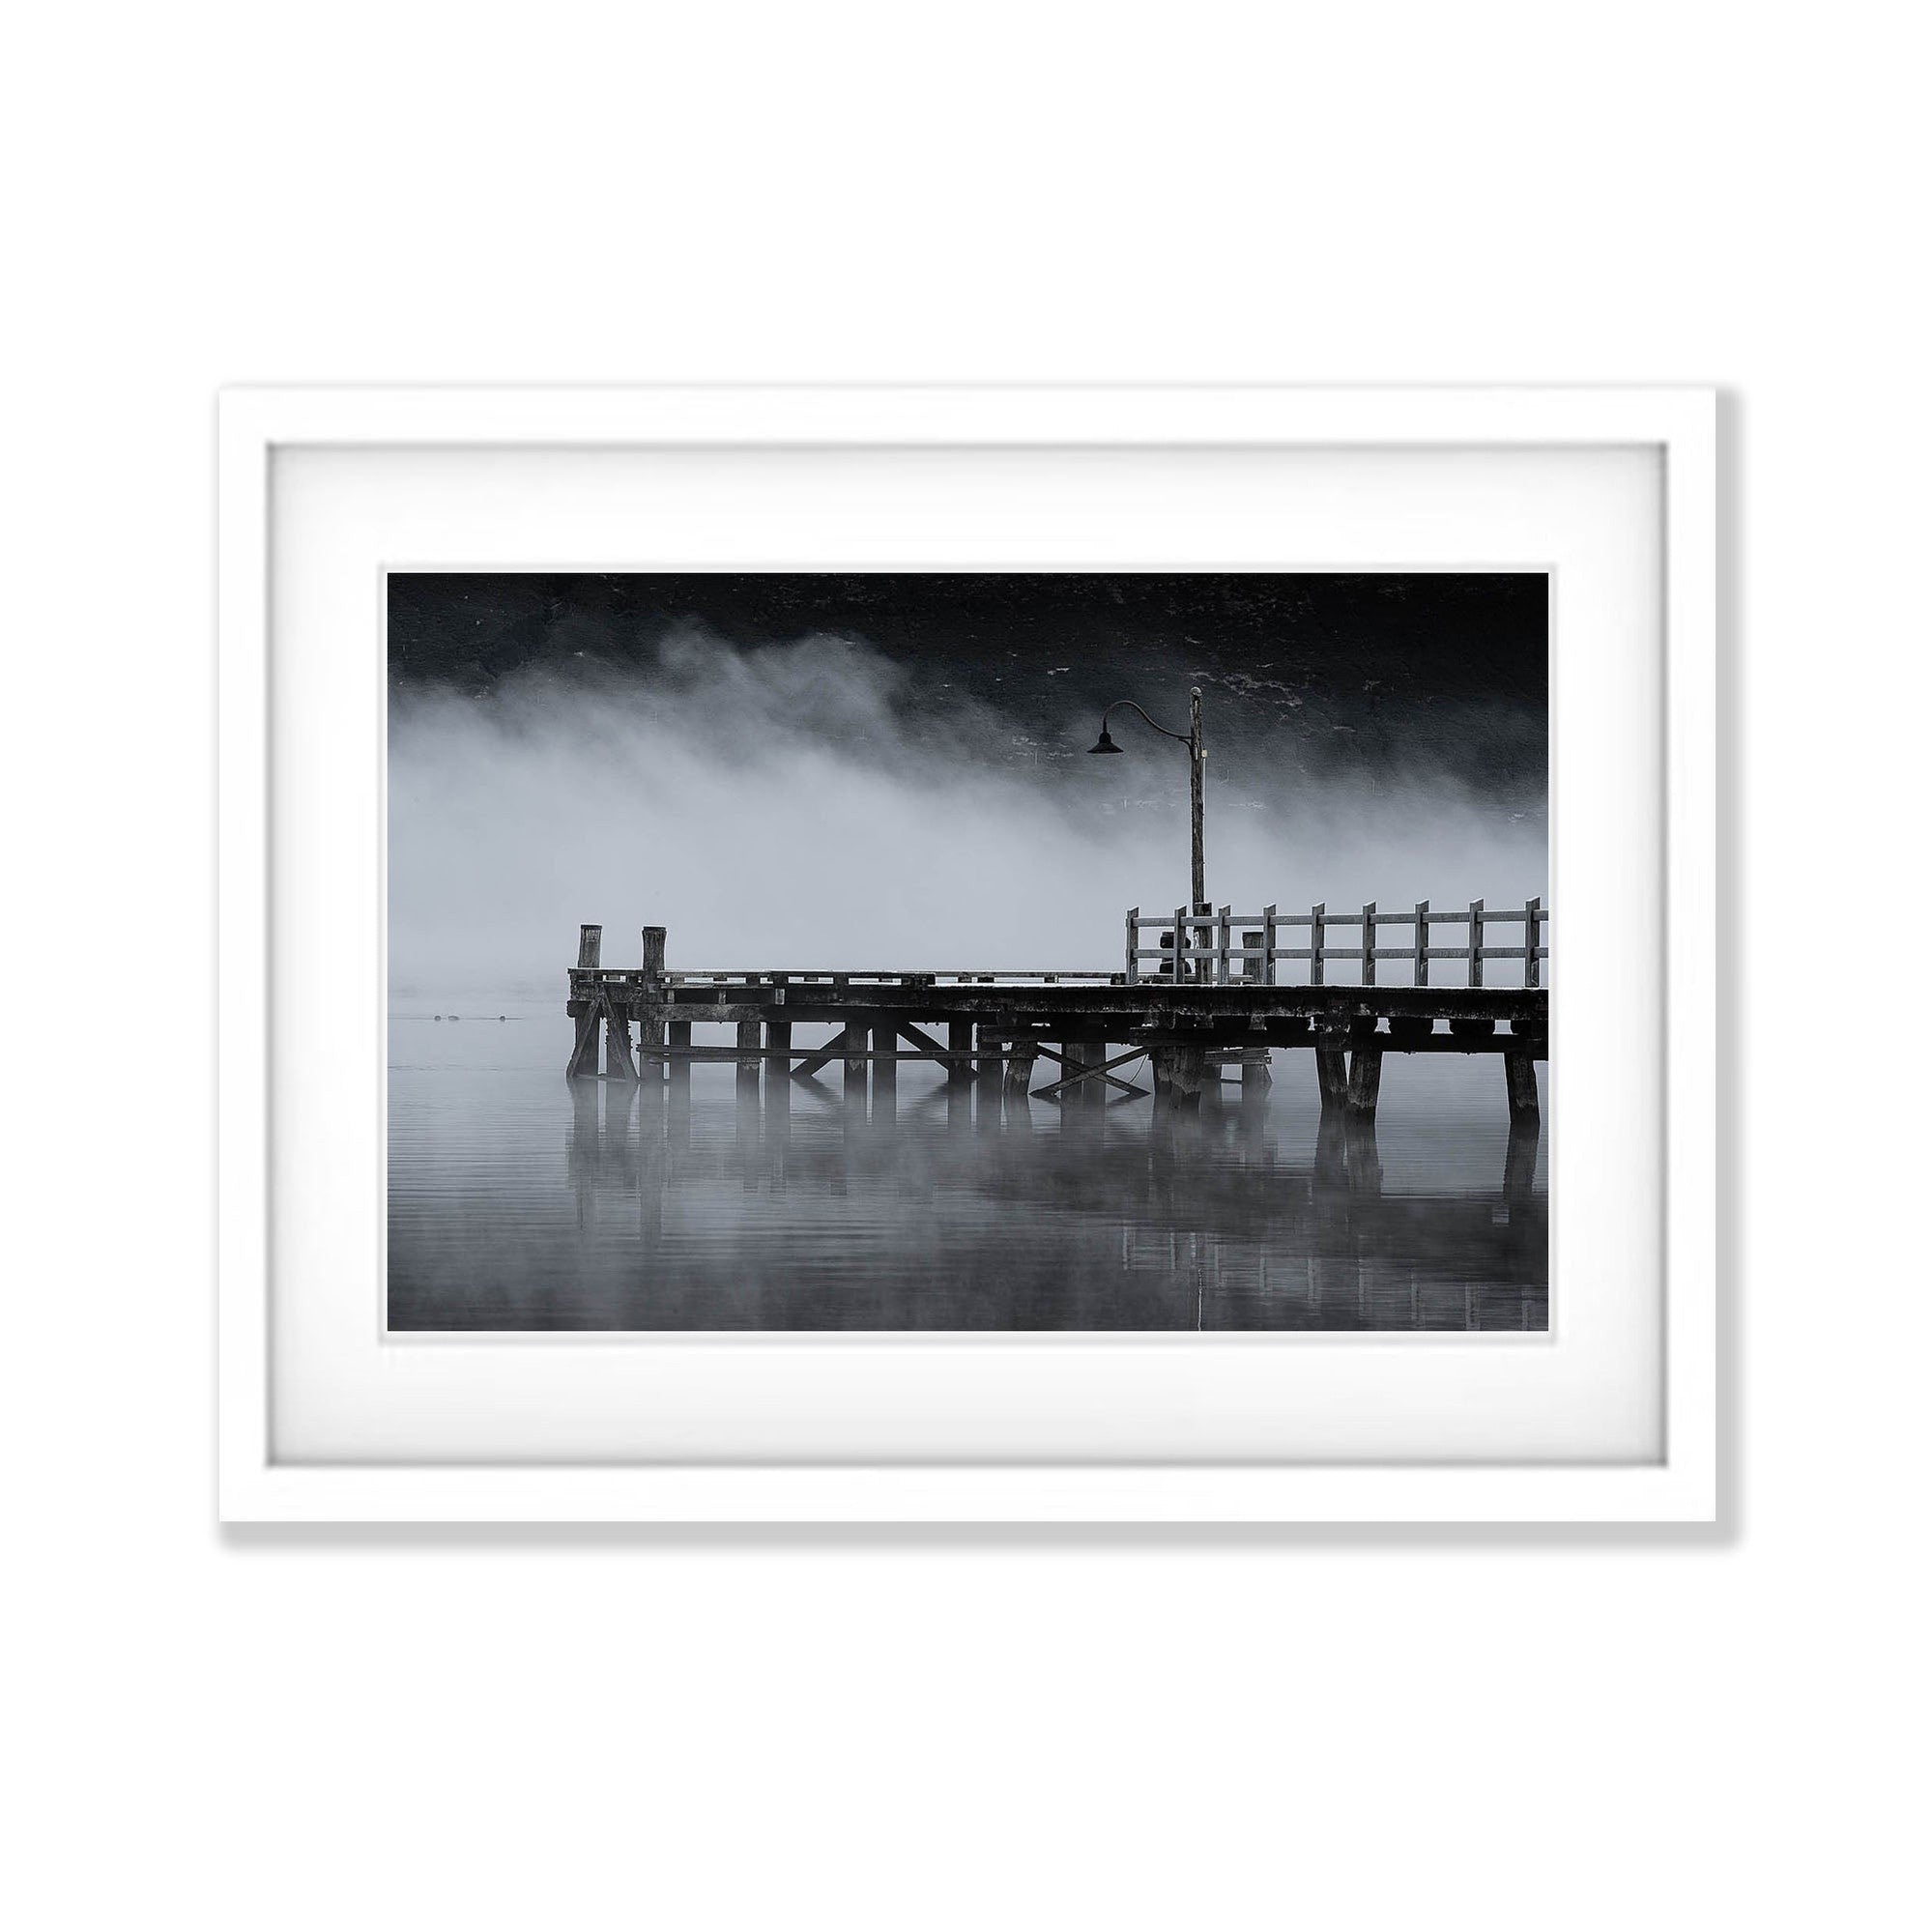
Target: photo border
[[1680, 422]]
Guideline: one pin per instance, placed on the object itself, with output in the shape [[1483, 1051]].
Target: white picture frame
[[1680, 1484]]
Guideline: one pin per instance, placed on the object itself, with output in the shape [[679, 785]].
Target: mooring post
[[589, 946], [1519, 1077]]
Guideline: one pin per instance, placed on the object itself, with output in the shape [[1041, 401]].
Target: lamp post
[[1196, 761]]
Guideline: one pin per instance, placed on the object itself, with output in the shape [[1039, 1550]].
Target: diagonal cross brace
[[1103, 1071]]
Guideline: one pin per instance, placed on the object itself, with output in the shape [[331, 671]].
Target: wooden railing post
[[1422, 941], [1134, 946], [589, 946], [1223, 939], [1368, 943], [1268, 917], [1318, 914], [1181, 935], [1475, 942], [1532, 965], [653, 952]]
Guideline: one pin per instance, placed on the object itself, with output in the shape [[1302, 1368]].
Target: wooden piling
[[959, 1069], [750, 1061], [1365, 1079], [678, 1034], [653, 952], [1519, 1078], [856, 1066], [1330, 1065], [886, 1072], [589, 948], [618, 1063]]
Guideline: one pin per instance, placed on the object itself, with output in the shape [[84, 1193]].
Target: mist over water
[[816, 804], [819, 803]]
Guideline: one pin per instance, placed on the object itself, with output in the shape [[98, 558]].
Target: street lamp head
[[1106, 743]]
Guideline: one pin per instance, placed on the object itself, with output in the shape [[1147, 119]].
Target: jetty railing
[[1227, 948]]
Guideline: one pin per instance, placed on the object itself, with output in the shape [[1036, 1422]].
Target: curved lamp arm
[[1179, 737]]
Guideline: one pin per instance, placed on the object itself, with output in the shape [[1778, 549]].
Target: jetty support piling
[[1365, 1079], [1205, 1006], [1519, 1077]]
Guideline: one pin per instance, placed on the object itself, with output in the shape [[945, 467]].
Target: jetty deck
[[1225, 989]]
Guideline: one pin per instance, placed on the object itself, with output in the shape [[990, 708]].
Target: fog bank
[[816, 806]]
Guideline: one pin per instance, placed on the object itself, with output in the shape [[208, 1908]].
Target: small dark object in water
[[502, 1016], [456, 1016], [438, 1019]]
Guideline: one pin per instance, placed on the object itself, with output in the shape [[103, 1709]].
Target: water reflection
[[717, 1202]]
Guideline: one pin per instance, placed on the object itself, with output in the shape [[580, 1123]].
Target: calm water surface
[[520, 1201]]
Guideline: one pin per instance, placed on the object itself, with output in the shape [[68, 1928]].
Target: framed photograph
[[967, 955]]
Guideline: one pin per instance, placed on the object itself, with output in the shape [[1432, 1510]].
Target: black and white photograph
[[992, 951]]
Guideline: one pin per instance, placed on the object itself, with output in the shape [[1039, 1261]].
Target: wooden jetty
[[1213, 988]]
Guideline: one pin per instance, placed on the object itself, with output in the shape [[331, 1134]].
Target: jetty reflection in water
[[518, 1201]]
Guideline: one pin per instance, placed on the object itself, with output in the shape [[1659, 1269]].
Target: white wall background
[[426, 1729]]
